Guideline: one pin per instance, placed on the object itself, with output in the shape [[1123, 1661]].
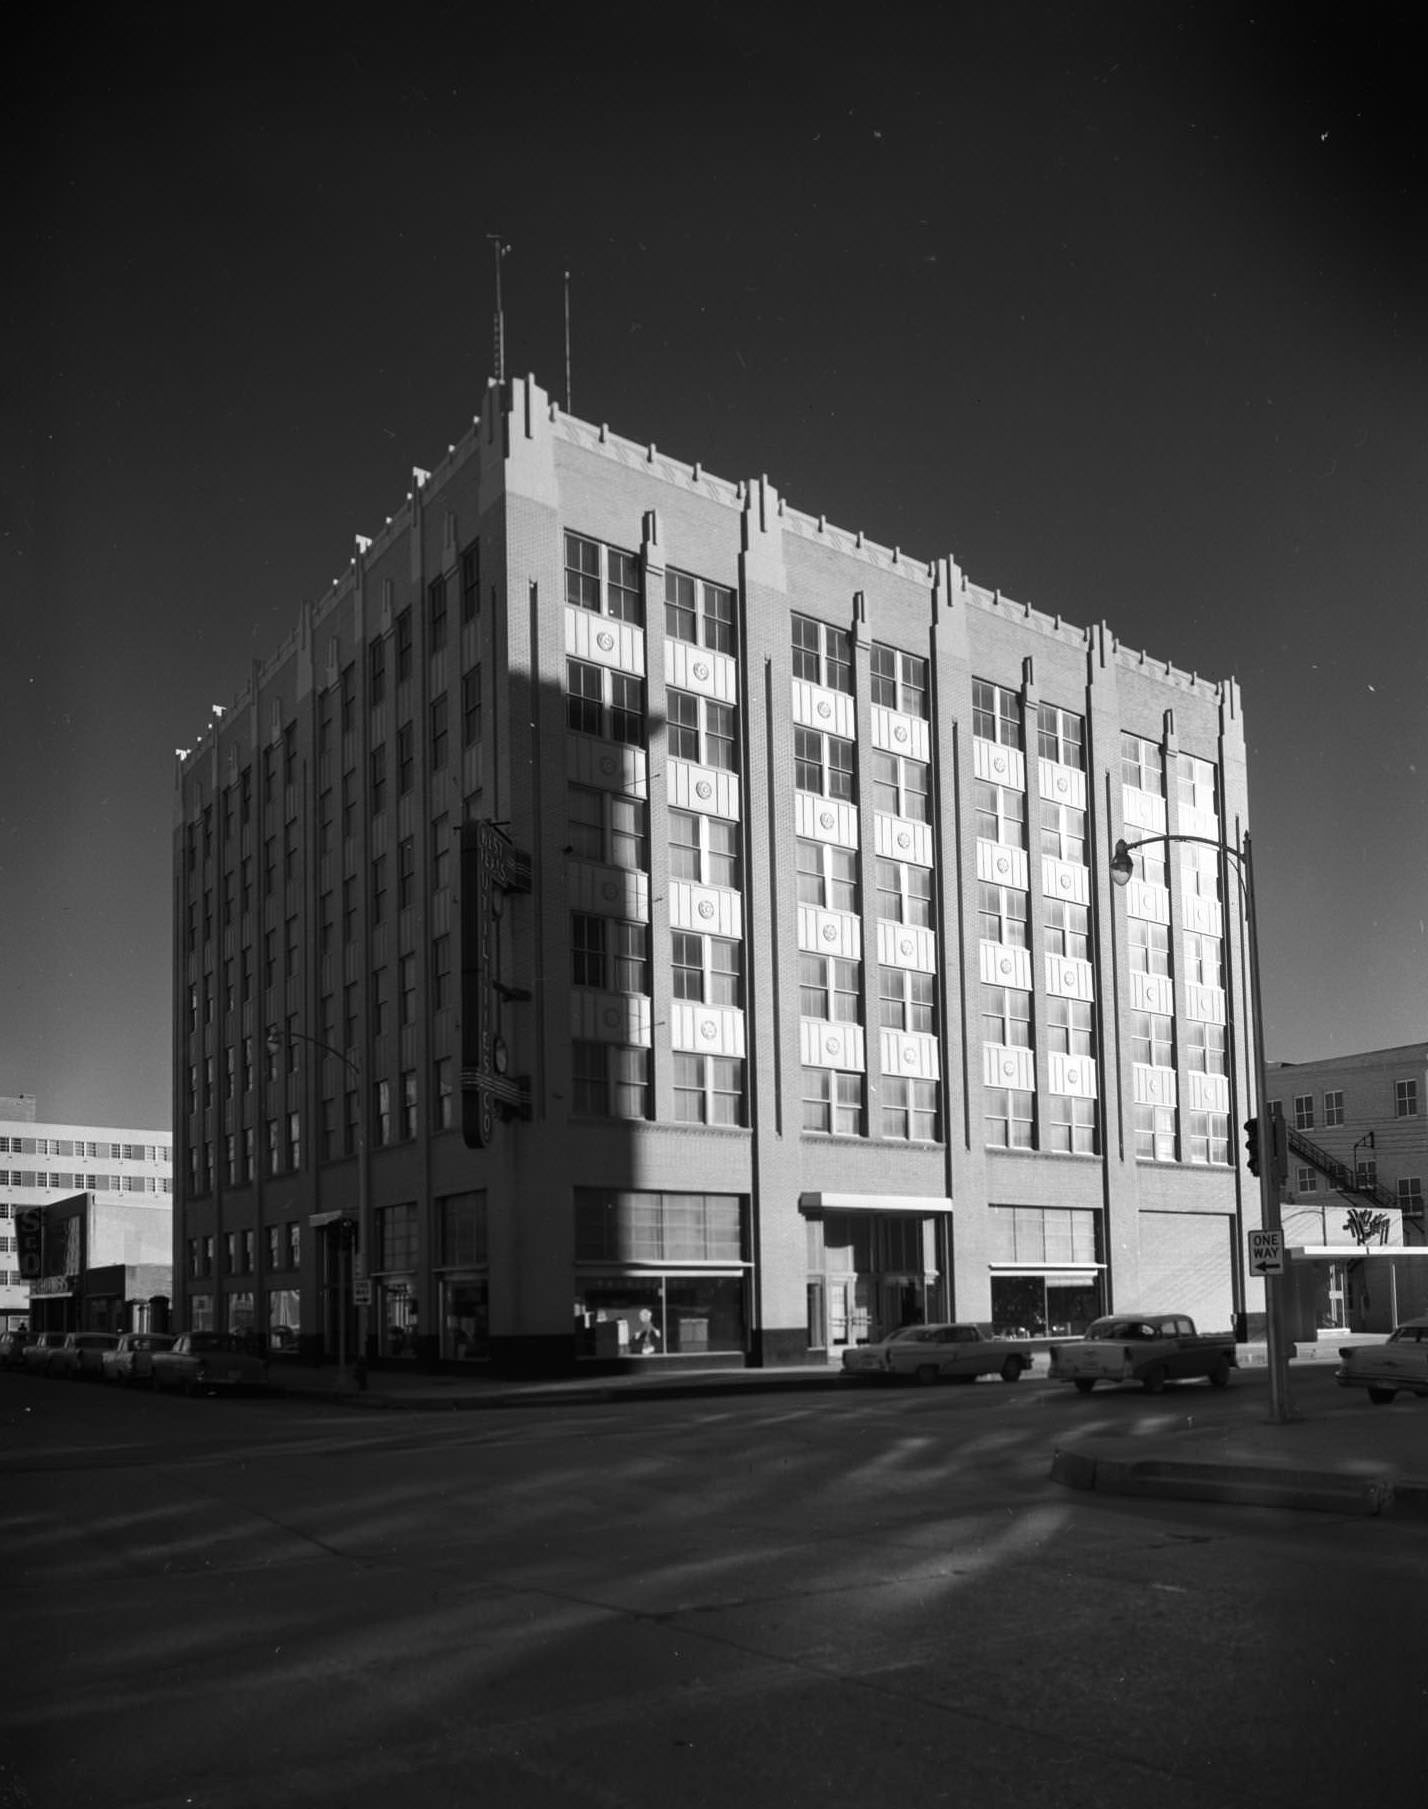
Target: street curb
[[572, 1395], [1242, 1484]]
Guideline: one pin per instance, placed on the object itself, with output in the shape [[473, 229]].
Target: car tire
[[1220, 1374], [925, 1373], [1154, 1379], [1084, 1384], [1011, 1369], [1381, 1396]]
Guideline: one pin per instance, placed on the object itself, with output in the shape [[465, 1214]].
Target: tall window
[[1070, 1026], [603, 579], [1333, 1107], [470, 582], [1010, 1118], [436, 615], [1063, 832], [600, 701], [1006, 1017], [709, 969], [702, 730], [907, 1000], [708, 1089], [439, 709], [698, 612], [1003, 914], [822, 655], [899, 680], [1061, 736], [996, 713], [1204, 1046], [1067, 930], [900, 786], [1152, 1039], [1405, 1099], [830, 989], [608, 827], [1142, 765], [827, 876], [610, 1080], [1000, 813], [832, 1102], [704, 849], [609, 955], [1149, 946], [1070, 1125], [909, 1113], [823, 764], [1304, 1111], [471, 707], [403, 639], [904, 893]]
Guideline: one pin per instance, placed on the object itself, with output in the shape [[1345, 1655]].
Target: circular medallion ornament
[[825, 709], [830, 1045], [704, 789], [830, 932], [1065, 882], [909, 1053], [826, 819], [700, 670], [706, 907], [904, 840], [608, 763], [900, 733], [906, 945], [1062, 782], [1068, 976], [1073, 1077], [1004, 966], [609, 889], [604, 640], [709, 1030], [999, 763], [1003, 864], [612, 1017]]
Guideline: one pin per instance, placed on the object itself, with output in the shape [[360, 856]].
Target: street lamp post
[[1122, 870], [342, 1223]]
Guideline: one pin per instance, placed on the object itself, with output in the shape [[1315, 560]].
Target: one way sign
[[1266, 1252]]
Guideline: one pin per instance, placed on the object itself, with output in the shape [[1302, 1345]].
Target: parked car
[[12, 1348], [131, 1359], [1149, 1348], [203, 1360], [1397, 1366], [37, 1355], [81, 1355], [935, 1353]]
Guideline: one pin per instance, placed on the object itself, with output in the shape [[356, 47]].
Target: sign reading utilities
[[1266, 1252]]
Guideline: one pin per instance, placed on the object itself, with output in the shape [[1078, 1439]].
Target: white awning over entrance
[[873, 1202]]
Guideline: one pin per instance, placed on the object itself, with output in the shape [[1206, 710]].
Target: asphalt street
[[872, 1597]]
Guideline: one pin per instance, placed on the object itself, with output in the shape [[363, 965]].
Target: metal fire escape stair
[[1338, 1173]]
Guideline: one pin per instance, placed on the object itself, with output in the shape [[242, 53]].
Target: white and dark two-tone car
[[938, 1353], [1397, 1366]]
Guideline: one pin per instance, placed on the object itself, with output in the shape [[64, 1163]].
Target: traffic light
[[1252, 1144], [1281, 1146]]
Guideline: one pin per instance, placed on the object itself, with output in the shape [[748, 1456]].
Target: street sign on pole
[[1266, 1252], [361, 1291]]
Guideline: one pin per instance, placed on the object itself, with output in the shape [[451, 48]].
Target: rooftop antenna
[[500, 248], [567, 342]]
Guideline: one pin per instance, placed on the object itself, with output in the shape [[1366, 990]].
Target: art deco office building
[[630, 913]]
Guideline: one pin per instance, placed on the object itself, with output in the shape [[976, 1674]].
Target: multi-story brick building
[[656, 917], [1356, 1138], [86, 1223]]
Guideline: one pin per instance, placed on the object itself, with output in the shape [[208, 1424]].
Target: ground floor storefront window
[[398, 1319], [651, 1314], [200, 1313], [1046, 1270], [465, 1318], [1040, 1306], [284, 1318]]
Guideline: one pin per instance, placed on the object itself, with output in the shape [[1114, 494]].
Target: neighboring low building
[[1356, 1134], [86, 1223]]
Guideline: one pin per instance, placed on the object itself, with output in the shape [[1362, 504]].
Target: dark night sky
[[1123, 305]]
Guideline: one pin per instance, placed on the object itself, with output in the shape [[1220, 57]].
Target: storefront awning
[[873, 1202], [1067, 1275], [1352, 1253]]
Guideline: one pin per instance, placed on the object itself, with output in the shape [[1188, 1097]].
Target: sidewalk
[[1347, 1458]]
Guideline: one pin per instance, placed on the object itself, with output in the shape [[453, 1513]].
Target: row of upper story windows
[[80, 1181], [1405, 1101], [81, 1147]]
